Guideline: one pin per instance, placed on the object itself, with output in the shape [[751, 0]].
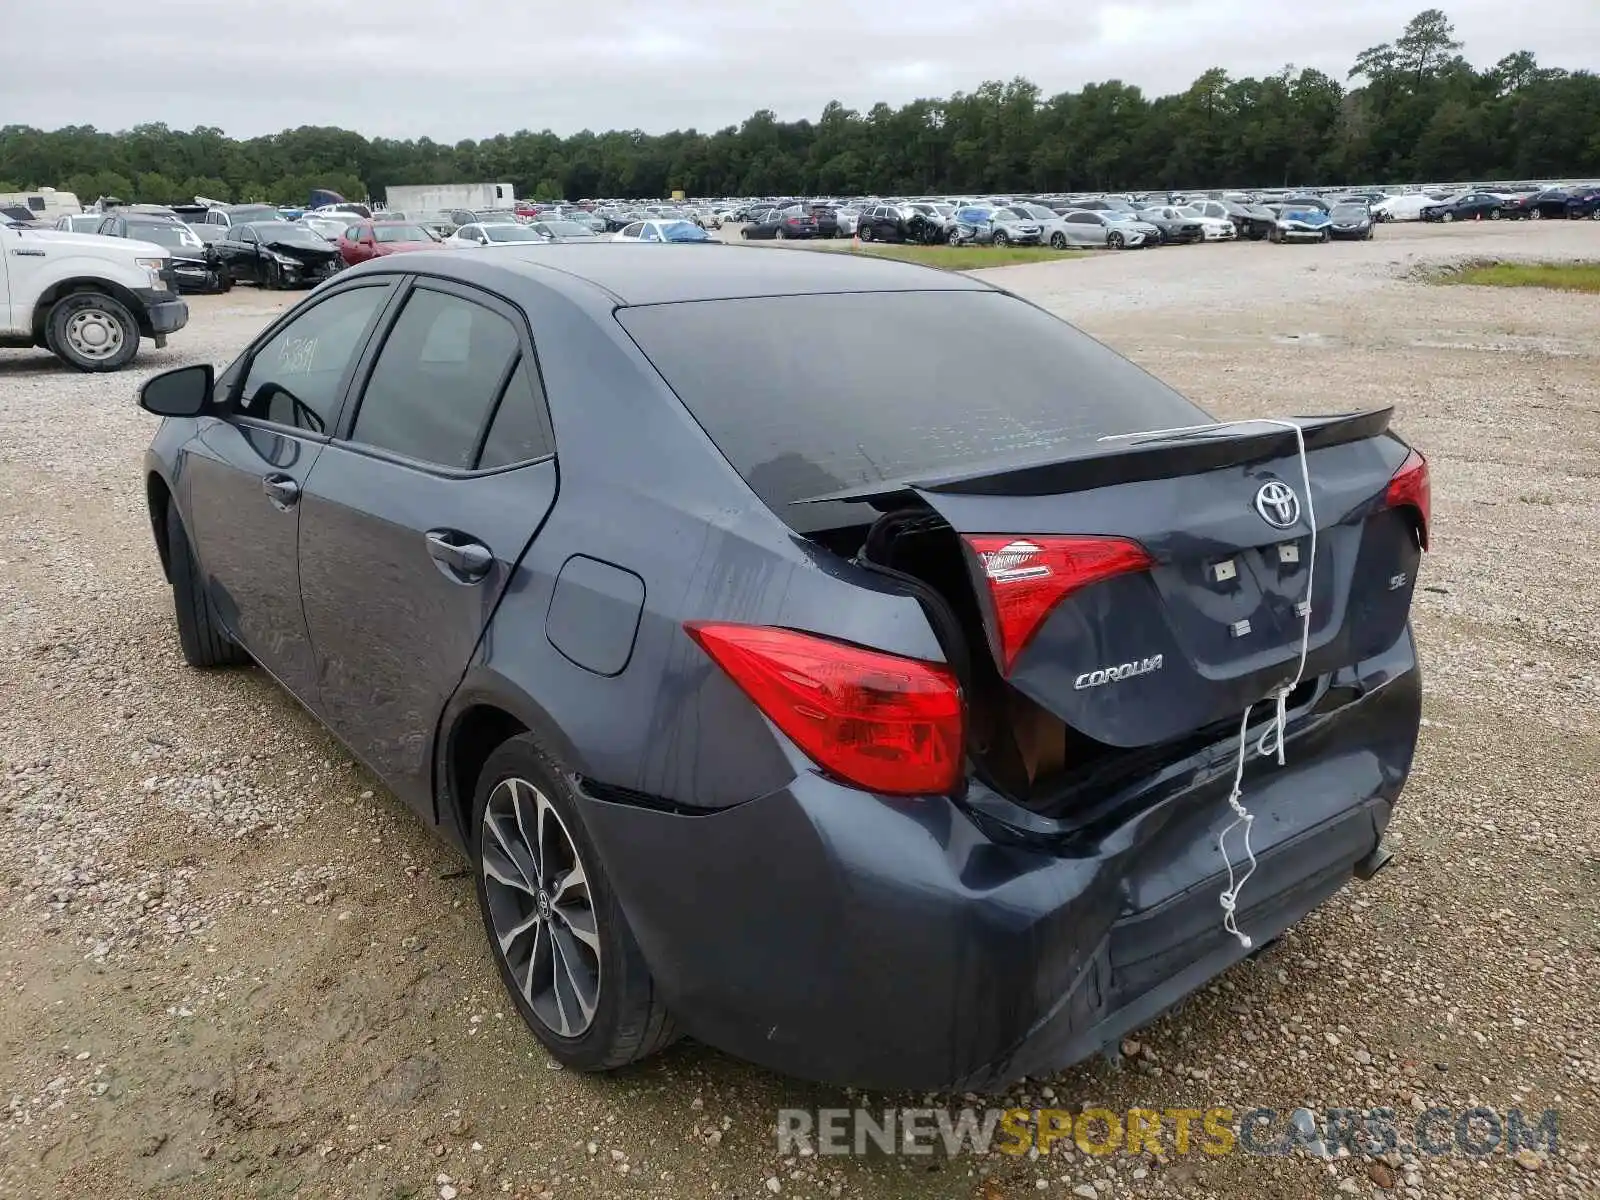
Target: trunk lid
[[1205, 620]]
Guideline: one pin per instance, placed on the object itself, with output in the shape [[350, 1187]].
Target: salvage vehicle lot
[[274, 976]]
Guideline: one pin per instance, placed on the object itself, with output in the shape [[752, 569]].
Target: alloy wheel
[[94, 334], [541, 907]]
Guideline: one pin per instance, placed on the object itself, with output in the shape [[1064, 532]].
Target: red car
[[374, 239]]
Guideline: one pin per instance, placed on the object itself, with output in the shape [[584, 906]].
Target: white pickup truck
[[88, 299]]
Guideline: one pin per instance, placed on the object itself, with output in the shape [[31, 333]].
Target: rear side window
[[519, 431], [807, 395], [439, 373]]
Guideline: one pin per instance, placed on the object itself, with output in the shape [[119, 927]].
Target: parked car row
[[1112, 223]]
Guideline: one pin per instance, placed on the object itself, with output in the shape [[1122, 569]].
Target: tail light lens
[[873, 720], [1409, 488], [1029, 576]]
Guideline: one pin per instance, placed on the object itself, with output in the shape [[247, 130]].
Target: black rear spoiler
[[1127, 460]]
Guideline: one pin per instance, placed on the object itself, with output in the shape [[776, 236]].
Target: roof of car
[[675, 273]]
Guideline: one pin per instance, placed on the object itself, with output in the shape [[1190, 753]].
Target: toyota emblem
[[1277, 504]]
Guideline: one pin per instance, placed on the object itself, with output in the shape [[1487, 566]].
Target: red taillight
[[1029, 576], [1409, 487], [873, 720]]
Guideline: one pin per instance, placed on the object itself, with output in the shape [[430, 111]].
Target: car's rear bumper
[[903, 943]]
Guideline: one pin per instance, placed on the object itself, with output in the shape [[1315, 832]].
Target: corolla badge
[[1277, 505], [1119, 672]]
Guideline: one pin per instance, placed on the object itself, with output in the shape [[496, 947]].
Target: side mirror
[[181, 392]]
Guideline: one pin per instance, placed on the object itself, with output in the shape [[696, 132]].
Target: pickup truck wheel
[[200, 634], [92, 332]]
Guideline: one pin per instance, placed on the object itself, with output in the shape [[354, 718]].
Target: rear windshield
[[808, 395]]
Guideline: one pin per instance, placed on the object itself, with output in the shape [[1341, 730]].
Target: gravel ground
[[232, 965]]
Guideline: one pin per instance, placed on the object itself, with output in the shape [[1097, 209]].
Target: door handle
[[459, 556], [283, 491]]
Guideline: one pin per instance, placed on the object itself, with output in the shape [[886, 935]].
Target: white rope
[[1270, 744]]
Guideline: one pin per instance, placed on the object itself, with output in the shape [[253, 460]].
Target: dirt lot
[[232, 965]]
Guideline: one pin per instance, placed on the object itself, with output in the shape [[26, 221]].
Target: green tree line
[[1411, 109]]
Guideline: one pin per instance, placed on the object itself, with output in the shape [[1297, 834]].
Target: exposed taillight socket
[[873, 720], [1410, 488]]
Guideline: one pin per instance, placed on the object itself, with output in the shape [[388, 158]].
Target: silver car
[[992, 227], [1113, 229], [1052, 229]]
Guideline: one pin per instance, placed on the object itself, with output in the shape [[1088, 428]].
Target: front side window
[[297, 376], [441, 368]]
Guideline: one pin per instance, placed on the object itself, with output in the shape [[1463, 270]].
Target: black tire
[[69, 323], [1115, 240], [864, 232], [1325, 237], [953, 237], [200, 634], [1058, 241], [272, 277], [745, 234], [1001, 238], [630, 1021], [1494, 214]]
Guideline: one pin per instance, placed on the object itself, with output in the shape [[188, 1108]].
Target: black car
[[1351, 222], [827, 220], [781, 224], [1175, 228], [1473, 206], [276, 254], [921, 224], [1551, 203], [1584, 203], [194, 264], [1252, 221]]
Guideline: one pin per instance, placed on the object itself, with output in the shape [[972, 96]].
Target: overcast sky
[[453, 69]]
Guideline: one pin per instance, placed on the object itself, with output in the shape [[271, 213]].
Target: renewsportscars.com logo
[[1476, 1132]]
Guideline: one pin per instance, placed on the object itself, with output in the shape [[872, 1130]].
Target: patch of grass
[[1566, 277], [968, 258]]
